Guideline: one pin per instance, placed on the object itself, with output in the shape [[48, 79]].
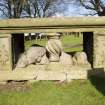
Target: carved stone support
[[5, 52], [54, 47], [99, 50]]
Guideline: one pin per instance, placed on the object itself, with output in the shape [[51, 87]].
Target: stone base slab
[[46, 72]]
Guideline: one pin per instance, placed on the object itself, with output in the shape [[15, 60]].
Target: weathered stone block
[[54, 66], [77, 75], [99, 50], [51, 75], [5, 52]]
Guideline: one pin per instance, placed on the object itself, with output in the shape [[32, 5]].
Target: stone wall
[[5, 52], [99, 50]]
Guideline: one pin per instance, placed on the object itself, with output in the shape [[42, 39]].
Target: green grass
[[66, 41], [71, 40], [78, 92], [32, 42]]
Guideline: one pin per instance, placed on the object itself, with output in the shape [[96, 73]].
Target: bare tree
[[31, 8], [12, 8], [43, 8], [97, 6]]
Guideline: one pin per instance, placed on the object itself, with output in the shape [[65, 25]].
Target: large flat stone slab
[[41, 72]]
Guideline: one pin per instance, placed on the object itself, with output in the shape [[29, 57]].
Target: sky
[[77, 11], [73, 11]]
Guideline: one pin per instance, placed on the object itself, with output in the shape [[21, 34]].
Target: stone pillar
[[99, 50], [54, 47], [5, 52]]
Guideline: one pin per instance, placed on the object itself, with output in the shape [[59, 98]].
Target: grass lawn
[[78, 92], [67, 41]]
